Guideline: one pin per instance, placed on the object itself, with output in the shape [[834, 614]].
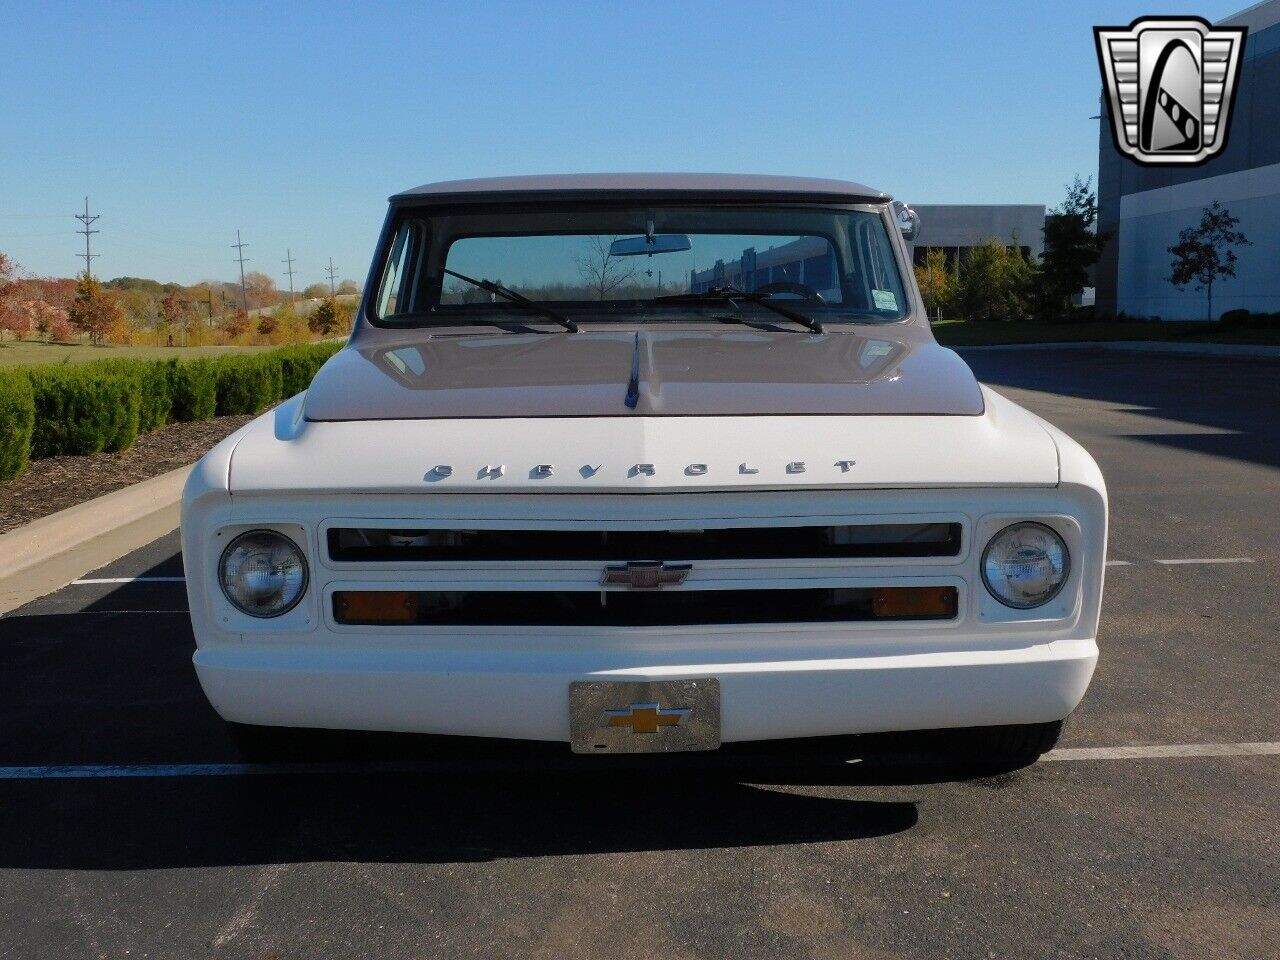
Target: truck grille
[[372, 545]]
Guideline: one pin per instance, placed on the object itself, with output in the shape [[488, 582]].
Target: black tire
[[998, 746], [259, 744]]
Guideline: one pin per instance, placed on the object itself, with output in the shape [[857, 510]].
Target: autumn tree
[[348, 287], [324, 318], [290, 328], [935, 280], [317, 291], [260, 290], [235, 324], [94, 310], [175, 312], [600, 269], [267, 325], [10, 309], [1204, 254]]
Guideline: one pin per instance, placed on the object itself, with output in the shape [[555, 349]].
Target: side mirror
[[908, 221], [653, 243]]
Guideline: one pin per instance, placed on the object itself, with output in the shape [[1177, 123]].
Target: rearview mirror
[[908, 221], [645, 246]]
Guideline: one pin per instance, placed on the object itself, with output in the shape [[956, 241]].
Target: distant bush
[[89, 408], [248, 384], [193, 385], [1249, 319], [151, 380], [83, 409], [17, 417], [299, 365]]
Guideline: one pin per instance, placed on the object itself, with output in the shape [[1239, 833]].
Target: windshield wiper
[[518, 298], [727, 293]]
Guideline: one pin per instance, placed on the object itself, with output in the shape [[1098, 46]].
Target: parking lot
[[132, 830]]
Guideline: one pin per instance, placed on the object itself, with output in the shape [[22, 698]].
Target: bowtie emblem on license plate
[[644, 716]]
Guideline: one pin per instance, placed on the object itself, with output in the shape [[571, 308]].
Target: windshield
[[603, 263]]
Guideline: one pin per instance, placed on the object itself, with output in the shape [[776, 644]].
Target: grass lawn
[[30, 353], [964, 333]]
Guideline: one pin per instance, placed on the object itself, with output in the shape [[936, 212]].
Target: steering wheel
[[802, 290]]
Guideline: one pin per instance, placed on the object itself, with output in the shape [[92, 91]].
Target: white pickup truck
[[645, 463]]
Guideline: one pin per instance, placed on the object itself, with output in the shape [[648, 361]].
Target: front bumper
[[490, 694]]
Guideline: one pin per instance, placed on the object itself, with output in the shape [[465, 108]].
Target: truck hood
[[676, 373], [283, 454]]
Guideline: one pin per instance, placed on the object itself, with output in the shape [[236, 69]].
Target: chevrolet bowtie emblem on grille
[[645, 717], [1170, 83], [645, 574]]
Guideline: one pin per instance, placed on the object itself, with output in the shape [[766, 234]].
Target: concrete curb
[[1143, 346], [49, 553]]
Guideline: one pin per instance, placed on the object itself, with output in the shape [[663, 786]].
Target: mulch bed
[[55, 483]]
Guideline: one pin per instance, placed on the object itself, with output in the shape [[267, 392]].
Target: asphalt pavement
[[453, 849]]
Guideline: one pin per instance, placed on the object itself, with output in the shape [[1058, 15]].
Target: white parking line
[[1171, 563], [153, 770], [1119, 563], [1172, 751], [75, 583]]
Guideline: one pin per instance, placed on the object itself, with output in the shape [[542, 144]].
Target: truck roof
[[648, 186]]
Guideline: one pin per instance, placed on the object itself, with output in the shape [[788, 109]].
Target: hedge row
[[104, 405]]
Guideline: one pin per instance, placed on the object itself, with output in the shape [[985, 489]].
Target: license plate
[[662, 716]]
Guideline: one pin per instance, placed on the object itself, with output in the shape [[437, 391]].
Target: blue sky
[[293, 123]]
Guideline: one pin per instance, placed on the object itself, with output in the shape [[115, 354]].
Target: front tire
[[1008, 746], [258, 744]]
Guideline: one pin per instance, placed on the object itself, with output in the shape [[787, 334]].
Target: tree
[[348, 287], [600, 269], [267, 325], [235, 324], [935, 280], [94, 310], [174, 311], [290, 327], [994, 283], [11, 313], [260, 290], [324, 318], [317, 291], [44, 316], [1071, 246], [1204, 253]]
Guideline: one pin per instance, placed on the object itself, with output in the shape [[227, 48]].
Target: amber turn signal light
[[890, 602], [372, 607]]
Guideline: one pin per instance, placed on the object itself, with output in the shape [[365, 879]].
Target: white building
[[1144, 208]]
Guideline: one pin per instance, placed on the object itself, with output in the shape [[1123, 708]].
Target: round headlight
[[263, 573], [1025, 565]]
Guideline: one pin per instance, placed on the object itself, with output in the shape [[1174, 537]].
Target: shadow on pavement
[[85, 679], [194, 822], [1235, 394]]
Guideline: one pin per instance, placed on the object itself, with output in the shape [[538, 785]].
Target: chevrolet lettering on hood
[[644, 463], [492, 471]]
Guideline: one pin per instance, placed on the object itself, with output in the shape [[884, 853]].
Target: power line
[[239, 246], [88, 231], [288, 259], [332, 271]]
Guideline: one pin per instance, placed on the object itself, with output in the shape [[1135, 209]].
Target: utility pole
[[288, 259], [88, 231], [238, 246], [332, 272]]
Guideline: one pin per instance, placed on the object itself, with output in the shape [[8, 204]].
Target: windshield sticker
[[884, 299]]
